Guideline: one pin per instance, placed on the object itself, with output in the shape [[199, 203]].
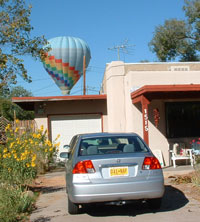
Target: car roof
[[90, 135]]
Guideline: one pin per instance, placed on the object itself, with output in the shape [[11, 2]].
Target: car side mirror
[[64, 155], [67, 148]]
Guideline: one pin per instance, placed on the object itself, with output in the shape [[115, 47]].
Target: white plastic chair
[[187, 155]]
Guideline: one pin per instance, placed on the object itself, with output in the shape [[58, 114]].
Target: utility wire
[[44, 88], [47, 92]]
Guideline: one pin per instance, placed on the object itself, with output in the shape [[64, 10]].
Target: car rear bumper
[[91, 193]]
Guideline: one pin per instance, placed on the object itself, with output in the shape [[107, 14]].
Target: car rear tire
[[154, 203], [72, 207]]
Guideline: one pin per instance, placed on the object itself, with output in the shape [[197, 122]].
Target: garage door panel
[[68, 126]]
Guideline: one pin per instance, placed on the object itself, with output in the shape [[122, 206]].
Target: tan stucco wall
[[142, 78], [116, 102], [121, 79], [157, 138], [161, 66]]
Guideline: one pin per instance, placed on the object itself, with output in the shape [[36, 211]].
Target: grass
[[15, 204]]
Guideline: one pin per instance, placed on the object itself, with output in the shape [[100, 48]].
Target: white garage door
[[68, 126]]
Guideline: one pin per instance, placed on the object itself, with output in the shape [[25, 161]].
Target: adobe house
[[159, 101]]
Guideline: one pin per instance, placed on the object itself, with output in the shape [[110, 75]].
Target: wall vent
[[179, 68]]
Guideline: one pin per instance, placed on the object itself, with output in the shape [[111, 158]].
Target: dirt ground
[[184, 183], [44, 181]]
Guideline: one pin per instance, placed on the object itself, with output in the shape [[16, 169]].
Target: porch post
[[145, 103]]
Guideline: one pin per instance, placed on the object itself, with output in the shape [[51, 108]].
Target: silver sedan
[[111, 168]]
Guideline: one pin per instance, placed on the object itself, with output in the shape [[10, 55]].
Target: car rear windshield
[[112, 145]]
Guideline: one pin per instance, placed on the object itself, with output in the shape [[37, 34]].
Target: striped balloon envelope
[[64, 61]]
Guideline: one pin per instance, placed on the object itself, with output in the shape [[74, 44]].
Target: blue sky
[[102, 24]]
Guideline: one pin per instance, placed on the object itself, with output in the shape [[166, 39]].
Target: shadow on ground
[[44, 189], [173, 199], [51, 189], [43, 219]]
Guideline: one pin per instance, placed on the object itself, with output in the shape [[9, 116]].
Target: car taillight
[[151, 163], [85, 166]]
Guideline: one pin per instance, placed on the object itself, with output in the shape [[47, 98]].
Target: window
[[111, 145], [182, 119]]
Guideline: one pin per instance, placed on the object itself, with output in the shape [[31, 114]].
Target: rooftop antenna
[[124, 47]]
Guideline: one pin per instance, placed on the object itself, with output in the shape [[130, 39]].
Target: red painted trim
[[145, 117], [137, 99], [58, 98], [136, 95], [165, 88], [144, 100], [74, 114], [140, 99]]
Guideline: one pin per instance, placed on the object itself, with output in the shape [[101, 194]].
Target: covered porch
[[180, 115]]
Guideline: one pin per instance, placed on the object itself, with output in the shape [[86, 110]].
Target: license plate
[[118, 171]]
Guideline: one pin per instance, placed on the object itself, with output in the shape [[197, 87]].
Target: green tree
[[179, 39], [19, 91], [16, 41], [7, 108]]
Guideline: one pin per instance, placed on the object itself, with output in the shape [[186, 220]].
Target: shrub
[[24, 155]]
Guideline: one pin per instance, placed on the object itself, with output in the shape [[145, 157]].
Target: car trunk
[[118, 168]]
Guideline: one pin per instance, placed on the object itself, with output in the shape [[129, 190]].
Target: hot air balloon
[[64, 61]]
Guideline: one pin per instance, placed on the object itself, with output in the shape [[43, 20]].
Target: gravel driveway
[[176, 206]]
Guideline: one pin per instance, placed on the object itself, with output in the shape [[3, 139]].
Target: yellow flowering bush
[[24, 155]]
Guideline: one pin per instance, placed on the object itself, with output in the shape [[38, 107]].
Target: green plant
[[26, 202], [14, 204], [179, 39], [16, 40], [24, 155]]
